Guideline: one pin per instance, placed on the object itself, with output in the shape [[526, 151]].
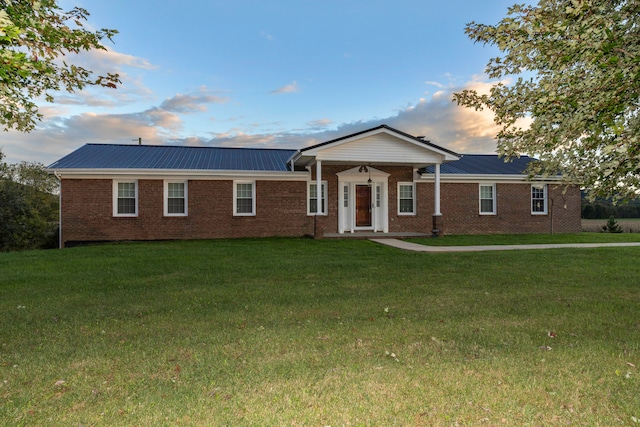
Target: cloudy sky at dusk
[[272, 73]]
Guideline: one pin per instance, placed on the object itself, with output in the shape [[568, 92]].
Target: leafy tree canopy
[[34, 35], [28, 209], [569, 90]]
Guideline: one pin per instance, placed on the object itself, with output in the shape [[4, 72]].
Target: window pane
[[537, 192], [126, 206], [313, 197], [175, 189], [406, 206], [486, 205], [537, 205], [244, 198], [127, 189], [126, 198], [486, 192], [244, 206], [244, 191], [405, 202], [538, 199], [346, 196], [406, 191], [175, 206]]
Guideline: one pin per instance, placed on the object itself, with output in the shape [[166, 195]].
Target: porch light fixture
[[365, 169]]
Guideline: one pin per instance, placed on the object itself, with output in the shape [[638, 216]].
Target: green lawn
[[300, 332], [527, 239]]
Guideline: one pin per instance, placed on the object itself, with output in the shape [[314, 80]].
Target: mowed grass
[[300, 332], [527, 239]]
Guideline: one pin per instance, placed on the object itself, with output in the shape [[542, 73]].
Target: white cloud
[[102, 61], [442, 121], [290, 88], [194, 102], [267, 36], [320, 123]]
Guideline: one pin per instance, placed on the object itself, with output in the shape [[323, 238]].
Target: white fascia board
[[467, 178], [294, 158], [181, 173]]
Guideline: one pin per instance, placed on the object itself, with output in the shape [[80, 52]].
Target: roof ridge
[[189, 146]]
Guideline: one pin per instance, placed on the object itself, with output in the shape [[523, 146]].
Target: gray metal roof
[[163, 157], [112, 156], [484, 164]]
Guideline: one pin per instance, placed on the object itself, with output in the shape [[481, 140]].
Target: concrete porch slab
[[374, 235]]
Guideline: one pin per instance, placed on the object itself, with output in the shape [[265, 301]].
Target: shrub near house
[[28, 209]]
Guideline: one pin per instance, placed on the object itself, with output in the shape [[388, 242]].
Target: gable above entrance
[[358, 174], [379, 145]]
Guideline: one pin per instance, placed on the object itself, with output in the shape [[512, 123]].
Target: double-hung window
[[487, 199], [539, 199], [125, 198], [244, 198], [312, 205], [406, 198], [175, 198]]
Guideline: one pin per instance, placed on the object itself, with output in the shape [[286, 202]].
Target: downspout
[[59, 210], [551, 213]]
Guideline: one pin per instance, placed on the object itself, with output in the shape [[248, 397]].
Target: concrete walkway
[[408, 246]]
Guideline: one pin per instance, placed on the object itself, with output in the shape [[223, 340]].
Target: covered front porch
[[368, 180]]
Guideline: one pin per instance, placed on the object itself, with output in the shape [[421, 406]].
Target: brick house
[[380, 181]]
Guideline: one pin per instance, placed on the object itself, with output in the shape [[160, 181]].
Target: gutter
[[195, 174], [474, 178]]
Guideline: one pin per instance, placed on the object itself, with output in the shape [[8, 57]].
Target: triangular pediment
[[381, 145]]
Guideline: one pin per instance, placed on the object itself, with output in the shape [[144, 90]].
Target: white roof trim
[[182, 173], [473, 178]]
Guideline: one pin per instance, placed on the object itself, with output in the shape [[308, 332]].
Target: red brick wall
[[460, 210], [281, 210], [87, 212]]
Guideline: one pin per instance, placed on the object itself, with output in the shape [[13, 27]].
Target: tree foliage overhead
[[575, 66], [35, 36]]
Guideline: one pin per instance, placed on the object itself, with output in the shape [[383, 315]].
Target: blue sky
[[283, 74]]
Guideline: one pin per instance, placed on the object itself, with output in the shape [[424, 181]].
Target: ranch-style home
[[380, 181]]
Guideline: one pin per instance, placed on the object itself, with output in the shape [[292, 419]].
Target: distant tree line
[[28, 207], [603, 209]]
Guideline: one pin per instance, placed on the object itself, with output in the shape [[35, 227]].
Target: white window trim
[[413, 212], [253, 198], [315, 195], [545, 190], [494, 199], [166, 197], [115, 198]]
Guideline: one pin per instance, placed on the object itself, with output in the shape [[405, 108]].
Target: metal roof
[[163, 157], [112, 156], [484, 164]]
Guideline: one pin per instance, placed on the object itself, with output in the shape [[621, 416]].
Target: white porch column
[[319, 210], [436, 202]]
